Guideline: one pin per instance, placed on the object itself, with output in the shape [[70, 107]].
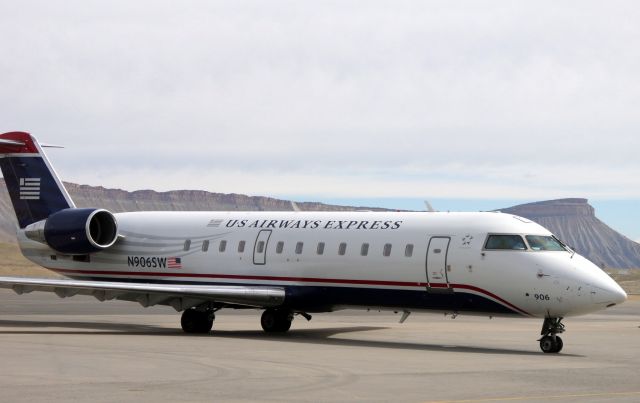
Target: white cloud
[[465, 100]]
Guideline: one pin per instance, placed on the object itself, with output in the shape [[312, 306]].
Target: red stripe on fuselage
[[296, 279], [492, 295], [239, 277]]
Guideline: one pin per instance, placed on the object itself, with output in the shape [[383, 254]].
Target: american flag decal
[[174, 263], [214, 223], [29, 188]]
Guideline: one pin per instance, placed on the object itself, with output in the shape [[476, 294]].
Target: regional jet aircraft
[[296, 263]]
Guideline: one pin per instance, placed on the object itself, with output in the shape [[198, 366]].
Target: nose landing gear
[[550, 342]]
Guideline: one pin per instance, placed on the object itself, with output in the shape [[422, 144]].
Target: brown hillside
[[573, 220], [117, 200]]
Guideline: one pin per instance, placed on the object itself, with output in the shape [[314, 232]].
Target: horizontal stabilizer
[[16, 143]]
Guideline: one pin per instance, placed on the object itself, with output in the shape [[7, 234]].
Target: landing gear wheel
[[551, 344], [197, 321], [276, 320], [559, 344]]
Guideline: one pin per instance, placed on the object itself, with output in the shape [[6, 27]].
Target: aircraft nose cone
[[618, 295], [611, 294]]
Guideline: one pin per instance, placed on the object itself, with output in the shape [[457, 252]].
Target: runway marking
[[521, 398]]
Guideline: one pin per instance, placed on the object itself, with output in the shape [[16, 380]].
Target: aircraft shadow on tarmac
[[323, 336], [102, 327], [311, 336]]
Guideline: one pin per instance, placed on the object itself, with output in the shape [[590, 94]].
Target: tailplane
[[34, 187]]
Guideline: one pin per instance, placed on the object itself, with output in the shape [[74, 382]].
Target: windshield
[[505, 242], [543, 242]]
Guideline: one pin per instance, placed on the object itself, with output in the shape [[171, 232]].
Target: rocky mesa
[[574, 221]]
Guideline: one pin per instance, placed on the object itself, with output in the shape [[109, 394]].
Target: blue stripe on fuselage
[[328, 298]]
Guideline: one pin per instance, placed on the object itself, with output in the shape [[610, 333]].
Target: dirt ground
[[13, 263], [629, 279]]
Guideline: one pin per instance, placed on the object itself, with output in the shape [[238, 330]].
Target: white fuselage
[[332, 260]]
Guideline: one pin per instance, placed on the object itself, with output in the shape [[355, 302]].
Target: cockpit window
[[542, 242], [505, 242]]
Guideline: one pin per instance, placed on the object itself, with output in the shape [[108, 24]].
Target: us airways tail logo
[[29, 188]]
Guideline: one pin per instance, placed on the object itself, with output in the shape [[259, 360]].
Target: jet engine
[[76, 231]]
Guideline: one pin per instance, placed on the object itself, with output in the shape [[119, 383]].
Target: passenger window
[[187, 245], [505, 242], [279, 247], [364, 249], [205, 245], [342, 249], [386, 251], [260, 247], [223, 246], [408, 250], [299, 246], [241, 246], [320, 249]]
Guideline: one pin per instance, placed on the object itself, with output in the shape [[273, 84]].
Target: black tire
[[276, 320], [550, 344], [284, 323], [194, 321], [559, 344]]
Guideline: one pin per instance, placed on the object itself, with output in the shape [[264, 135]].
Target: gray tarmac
[[79, 349]]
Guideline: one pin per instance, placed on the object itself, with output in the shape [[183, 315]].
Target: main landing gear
[[550, 342], [276, 320], [198, 320]]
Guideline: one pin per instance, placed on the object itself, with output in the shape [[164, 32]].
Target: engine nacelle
[[76, 231]]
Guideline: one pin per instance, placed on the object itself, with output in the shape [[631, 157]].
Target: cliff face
[[7, 216], [574, 221], [117, 200]]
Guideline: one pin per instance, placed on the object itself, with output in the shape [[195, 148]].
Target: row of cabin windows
[[342, 248], [222, 246]]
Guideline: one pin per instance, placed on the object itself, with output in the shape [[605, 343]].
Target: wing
[[180, 297]]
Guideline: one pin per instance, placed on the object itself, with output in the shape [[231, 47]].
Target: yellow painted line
[[522, 398]]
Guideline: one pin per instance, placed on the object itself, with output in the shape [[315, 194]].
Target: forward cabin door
[[260, 247], [437, 262]]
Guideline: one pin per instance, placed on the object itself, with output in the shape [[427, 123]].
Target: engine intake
[[76, 231]]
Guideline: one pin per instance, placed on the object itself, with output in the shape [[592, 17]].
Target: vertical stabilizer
[[35, 189]]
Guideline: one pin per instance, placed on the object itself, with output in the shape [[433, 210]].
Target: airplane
[[296, 263]]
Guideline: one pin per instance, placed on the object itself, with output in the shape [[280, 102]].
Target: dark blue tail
[[35, 189]]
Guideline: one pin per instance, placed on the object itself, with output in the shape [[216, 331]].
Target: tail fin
[[35, 189]]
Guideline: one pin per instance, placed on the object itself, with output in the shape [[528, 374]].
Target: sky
[[472, 103]]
